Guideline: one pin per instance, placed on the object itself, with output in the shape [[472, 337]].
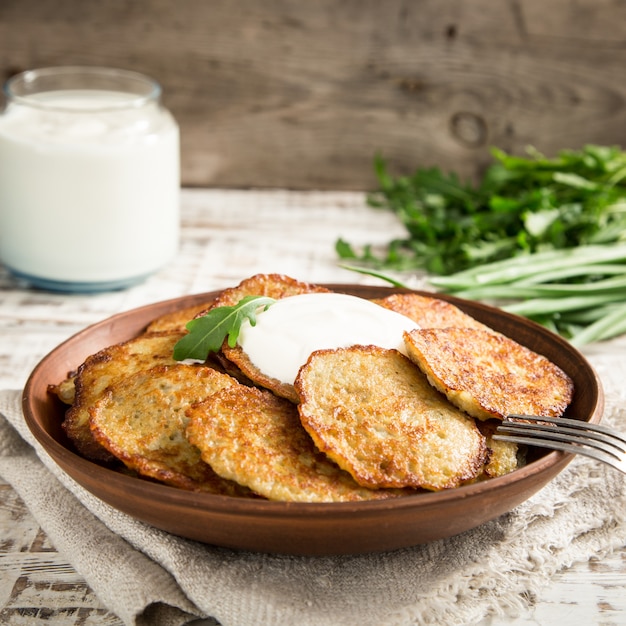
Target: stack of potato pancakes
[[358, 423]]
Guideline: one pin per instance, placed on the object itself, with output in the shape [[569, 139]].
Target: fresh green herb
[[375, 274], [207, 333], [579, 293], [522, 205]]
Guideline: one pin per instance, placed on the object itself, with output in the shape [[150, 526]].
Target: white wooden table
[[227, 236]]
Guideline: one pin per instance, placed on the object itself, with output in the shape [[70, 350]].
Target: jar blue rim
[[78, 287]]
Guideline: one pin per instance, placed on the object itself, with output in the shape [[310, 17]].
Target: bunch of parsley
[[522, 205]]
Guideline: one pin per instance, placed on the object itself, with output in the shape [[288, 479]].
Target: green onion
[[579, 292], [532, 265], [611, 325], [615, 286], [543, 306]]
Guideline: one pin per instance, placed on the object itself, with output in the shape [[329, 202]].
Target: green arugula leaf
[[207, 333]]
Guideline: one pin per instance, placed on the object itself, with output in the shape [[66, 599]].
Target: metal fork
[[593, 440]]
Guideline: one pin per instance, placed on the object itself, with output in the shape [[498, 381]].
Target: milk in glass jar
[[89, 178]]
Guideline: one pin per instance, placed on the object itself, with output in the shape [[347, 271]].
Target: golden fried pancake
[[274, 286], [220, 362], [502, 456], [375, 414], [489, 375], [243, 369], [255, 438], [141, 420], [176, 321], [105, 368], [65, 390], [429, 312]]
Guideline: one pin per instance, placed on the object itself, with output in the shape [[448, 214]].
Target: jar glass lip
[[135, 89]]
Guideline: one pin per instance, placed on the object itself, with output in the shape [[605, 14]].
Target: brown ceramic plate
[[302, 528]]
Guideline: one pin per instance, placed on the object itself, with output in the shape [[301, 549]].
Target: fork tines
[[568, 435]]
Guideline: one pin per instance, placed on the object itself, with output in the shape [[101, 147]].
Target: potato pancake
[[141, 420], [429, 312], [502, 456], [65, 390], [255, 438], [489, 375], [103, 369], [272, 285], [374, 413], [176, 321], [243, 369]]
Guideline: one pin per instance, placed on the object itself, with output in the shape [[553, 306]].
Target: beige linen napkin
[[149, 577]]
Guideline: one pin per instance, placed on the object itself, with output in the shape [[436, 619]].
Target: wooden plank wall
[[296, 94]]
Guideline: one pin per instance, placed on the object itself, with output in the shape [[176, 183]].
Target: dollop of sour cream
[[292, 328]]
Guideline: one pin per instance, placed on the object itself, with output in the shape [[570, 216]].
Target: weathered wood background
[[286, 93]]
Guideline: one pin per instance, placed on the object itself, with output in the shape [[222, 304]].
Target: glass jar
[[89, 178]]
